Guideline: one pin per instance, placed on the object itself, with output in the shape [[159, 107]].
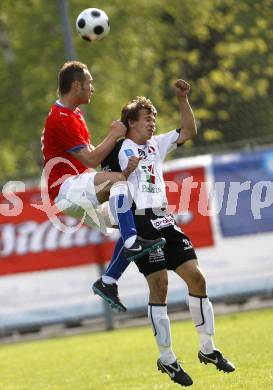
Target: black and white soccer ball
[[92, 24]]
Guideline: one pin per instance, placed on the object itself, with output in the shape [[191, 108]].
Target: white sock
[[202, 314], [160, 322], [206, 343], [130, 241], [108, 279]]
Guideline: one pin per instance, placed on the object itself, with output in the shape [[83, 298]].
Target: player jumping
[[69, 155], [154, 221]]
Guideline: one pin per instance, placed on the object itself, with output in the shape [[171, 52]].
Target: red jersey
[[65, 131]]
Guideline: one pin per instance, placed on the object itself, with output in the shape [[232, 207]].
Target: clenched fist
[[181, 88], [132, 165], [118, 129]]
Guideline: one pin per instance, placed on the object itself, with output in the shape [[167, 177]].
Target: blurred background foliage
[[224, 48]]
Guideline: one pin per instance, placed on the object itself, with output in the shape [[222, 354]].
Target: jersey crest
[[149, 173]]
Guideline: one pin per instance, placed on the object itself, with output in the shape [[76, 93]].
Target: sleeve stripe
[[178, 131], [78, 147]]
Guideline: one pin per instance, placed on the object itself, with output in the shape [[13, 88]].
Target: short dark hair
[[71, 71], [132, 109]]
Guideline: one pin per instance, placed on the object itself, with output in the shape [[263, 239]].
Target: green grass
[[126, 359]]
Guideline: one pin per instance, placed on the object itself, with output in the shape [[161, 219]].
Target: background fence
[[46, 275], [223, 48]]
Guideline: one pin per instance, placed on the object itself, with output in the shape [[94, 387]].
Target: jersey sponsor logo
[[150, 179], [149, 172], [145, 155], [151, 149], [150, 188], [163, 222], [129, 152], [187, 244], [156, 255], [142, 154]]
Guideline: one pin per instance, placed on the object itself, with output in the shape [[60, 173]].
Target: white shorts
[[77, 198]]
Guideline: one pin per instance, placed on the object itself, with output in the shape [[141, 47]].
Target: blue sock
[[120, 208], [118, 263]]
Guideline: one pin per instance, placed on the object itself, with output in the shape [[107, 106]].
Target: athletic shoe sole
[[113, 305]]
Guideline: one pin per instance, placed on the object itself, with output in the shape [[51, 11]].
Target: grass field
[[126, 359]]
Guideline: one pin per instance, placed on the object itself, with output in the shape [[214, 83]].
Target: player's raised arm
[[92, 157], [188, 125]]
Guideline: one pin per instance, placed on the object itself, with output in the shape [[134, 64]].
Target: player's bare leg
[[202, 314], [103, 182]]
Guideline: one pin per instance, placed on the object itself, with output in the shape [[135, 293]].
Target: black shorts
[[177, 250]]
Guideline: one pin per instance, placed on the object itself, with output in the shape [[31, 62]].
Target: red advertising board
[[188, 196], [29, 241]]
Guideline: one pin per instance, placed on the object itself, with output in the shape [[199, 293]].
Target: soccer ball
[[92, 24]]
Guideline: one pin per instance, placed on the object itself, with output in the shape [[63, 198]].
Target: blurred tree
[[222, 47], [226, 53], [28, 81]]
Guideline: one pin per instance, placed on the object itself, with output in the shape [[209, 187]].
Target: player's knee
[[197, 282], [200, 281], [113, 180], [160, 288], [162, 291]]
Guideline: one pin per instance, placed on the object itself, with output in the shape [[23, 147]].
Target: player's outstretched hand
[[181, 88], [132, 165], [118, 129]]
